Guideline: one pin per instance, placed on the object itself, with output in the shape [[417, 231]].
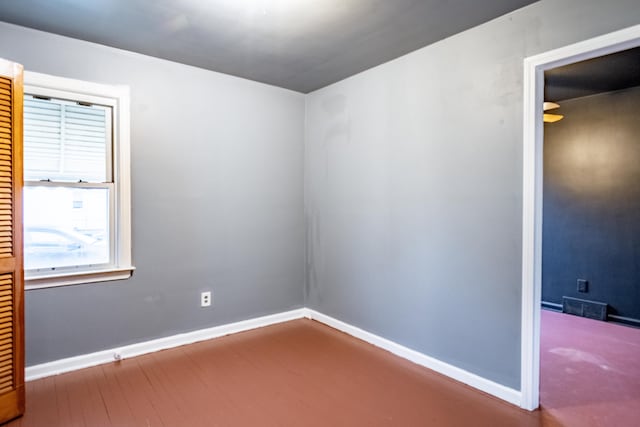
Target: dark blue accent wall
[[591, 222]]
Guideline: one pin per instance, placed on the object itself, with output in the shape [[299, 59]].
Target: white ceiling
[[301, 45]]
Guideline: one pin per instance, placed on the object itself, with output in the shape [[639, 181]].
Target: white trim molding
[[498, 390], [534, 68], [77, 278], [106, 356]]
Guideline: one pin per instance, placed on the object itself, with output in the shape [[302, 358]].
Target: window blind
[[66, 141]]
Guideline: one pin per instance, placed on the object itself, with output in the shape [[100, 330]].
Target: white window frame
[[117, 97]]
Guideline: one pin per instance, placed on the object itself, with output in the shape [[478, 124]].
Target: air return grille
[[580, 307]]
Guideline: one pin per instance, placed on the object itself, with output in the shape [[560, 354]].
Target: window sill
[[41, 281]]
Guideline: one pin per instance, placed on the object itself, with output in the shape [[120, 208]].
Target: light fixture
[[551, 118]]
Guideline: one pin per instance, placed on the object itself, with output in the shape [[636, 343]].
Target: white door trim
[[534, 68]]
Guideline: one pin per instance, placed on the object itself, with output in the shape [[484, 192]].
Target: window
[[76, 175]]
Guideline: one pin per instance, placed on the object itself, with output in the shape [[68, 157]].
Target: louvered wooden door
[[11, 273]]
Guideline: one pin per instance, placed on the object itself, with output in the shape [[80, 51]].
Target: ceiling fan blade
[[552, 118], [549, 106]]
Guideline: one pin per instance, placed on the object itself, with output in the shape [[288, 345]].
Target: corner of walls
[[500, 391], [231, 221], [307, 265], [138, 349]]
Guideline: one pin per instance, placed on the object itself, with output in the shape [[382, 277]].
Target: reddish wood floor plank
[[231, 380], [298, 373], [175, 393], [116, 406], [140, 394], [70, 410], [130, 404], [42, 402]]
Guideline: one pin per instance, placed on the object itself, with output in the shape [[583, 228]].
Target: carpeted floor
[[590, 371]]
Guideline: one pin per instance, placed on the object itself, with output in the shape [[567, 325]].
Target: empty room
[[301, 213], [589, 330]]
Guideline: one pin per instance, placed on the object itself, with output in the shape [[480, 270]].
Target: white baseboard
[[105, 356], [498, 390], [84, 361]]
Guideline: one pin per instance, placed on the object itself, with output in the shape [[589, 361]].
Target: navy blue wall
[[591, 223]]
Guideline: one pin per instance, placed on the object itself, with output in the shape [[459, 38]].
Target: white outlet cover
[[205, 299]]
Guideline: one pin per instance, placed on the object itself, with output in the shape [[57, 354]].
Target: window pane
[[65, 141], [65, 227]]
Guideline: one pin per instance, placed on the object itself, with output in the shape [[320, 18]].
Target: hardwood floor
[[299, 373]]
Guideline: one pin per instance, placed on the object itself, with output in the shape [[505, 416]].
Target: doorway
[[534, 69]]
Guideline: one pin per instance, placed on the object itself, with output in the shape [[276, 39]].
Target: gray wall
[[591, 227], [217, 173], [413, 188]]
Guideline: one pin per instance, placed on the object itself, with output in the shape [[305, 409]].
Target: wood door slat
[[11, 273], [7, 358], [5, 365]]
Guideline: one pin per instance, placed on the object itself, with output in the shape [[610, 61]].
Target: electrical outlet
[[583, 285], [205, 299]]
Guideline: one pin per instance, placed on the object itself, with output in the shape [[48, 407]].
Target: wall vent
[[584, 308]]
